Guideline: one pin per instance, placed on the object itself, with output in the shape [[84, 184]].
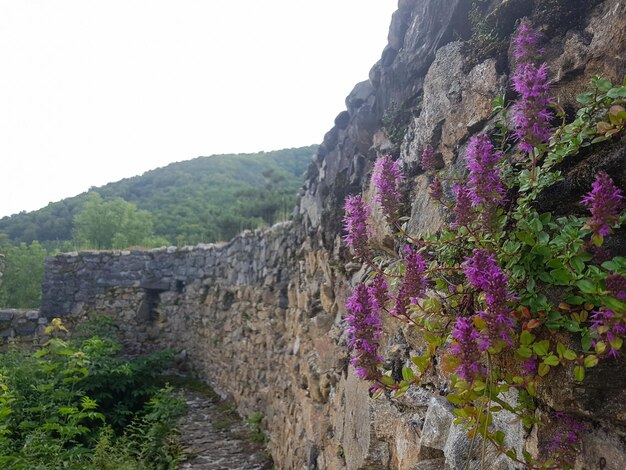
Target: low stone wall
[[21, 324]]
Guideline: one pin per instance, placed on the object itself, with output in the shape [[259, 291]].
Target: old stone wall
[[262, 317]]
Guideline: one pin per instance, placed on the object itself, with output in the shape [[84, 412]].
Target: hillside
[[201, 200]]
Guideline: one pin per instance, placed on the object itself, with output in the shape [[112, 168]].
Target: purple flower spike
[[355, 225], [388, 179], [364, 329], [530, 114], [525, 43], [604, 202], [482, 272], [463, 212], [484, 183], [428, 159], [466, 348], [414, 283], [436, 189]]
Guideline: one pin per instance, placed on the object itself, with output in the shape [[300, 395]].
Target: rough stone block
[[6, 315], [25, 329], [437, 423]]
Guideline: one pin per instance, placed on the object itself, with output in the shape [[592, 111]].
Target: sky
[[93, 91]]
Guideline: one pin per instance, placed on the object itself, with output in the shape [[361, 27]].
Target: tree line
[[204, 200]]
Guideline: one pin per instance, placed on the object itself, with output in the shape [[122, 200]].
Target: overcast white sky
[[93, 91]]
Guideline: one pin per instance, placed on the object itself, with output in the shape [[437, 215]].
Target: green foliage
[[254, 425], [54, 411], [206, 199], [23, 274], [111, 224]]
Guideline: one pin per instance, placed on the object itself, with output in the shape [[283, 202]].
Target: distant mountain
[[201, 200]]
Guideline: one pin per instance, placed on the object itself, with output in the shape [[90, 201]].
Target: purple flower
[[530, 366], [414, 282], [484, 183], [436, 189], [530, 114], [482, 272], [566, 438], [355, 225], [379, 292], [525, 43], [463, 212], [605, 203], [428, 161], [466, 348], [388, 179], [616, 284], [364, 330]]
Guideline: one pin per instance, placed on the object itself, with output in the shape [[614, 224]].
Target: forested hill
[[201, 200]]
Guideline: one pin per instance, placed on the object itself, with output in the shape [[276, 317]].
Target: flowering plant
[[482, 291]]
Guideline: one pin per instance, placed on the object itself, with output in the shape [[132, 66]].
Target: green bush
[[79, 404]]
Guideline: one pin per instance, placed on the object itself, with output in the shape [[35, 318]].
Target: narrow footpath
[[214, 437]]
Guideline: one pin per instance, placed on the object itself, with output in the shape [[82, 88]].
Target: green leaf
[[526, 338], [454, 399], [543, 369], [541, 348], [498, 437], [585, 98], [562, 276], [587, 286], [616, 343], [569, 355], [614, 304], [551, 360], [591, 361], [407, 374], [524, 351], [579, 373], [617, 92], [386, 380], [577, 263], [601, 84], [421, 362]]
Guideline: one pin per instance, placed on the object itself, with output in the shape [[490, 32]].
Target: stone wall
[[21, 324], [261, 318]]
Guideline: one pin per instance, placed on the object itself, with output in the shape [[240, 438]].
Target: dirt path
[[214, 437]]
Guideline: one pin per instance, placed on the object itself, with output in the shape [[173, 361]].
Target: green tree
[[23, 273], [118, 224]]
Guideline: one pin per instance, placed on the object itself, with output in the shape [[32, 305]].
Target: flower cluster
[[531, 116], [463, 212], [482, 272], [566, 439], [604, 201], [364, 330], [616, 285], [484, 183], [610, 329], [388, 179], [466, 348], [428, 161], [435, 189], [414, 282], [525, 43], [355, 225]]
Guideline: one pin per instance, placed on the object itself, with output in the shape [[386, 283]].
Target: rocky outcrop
[[262, 317]]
